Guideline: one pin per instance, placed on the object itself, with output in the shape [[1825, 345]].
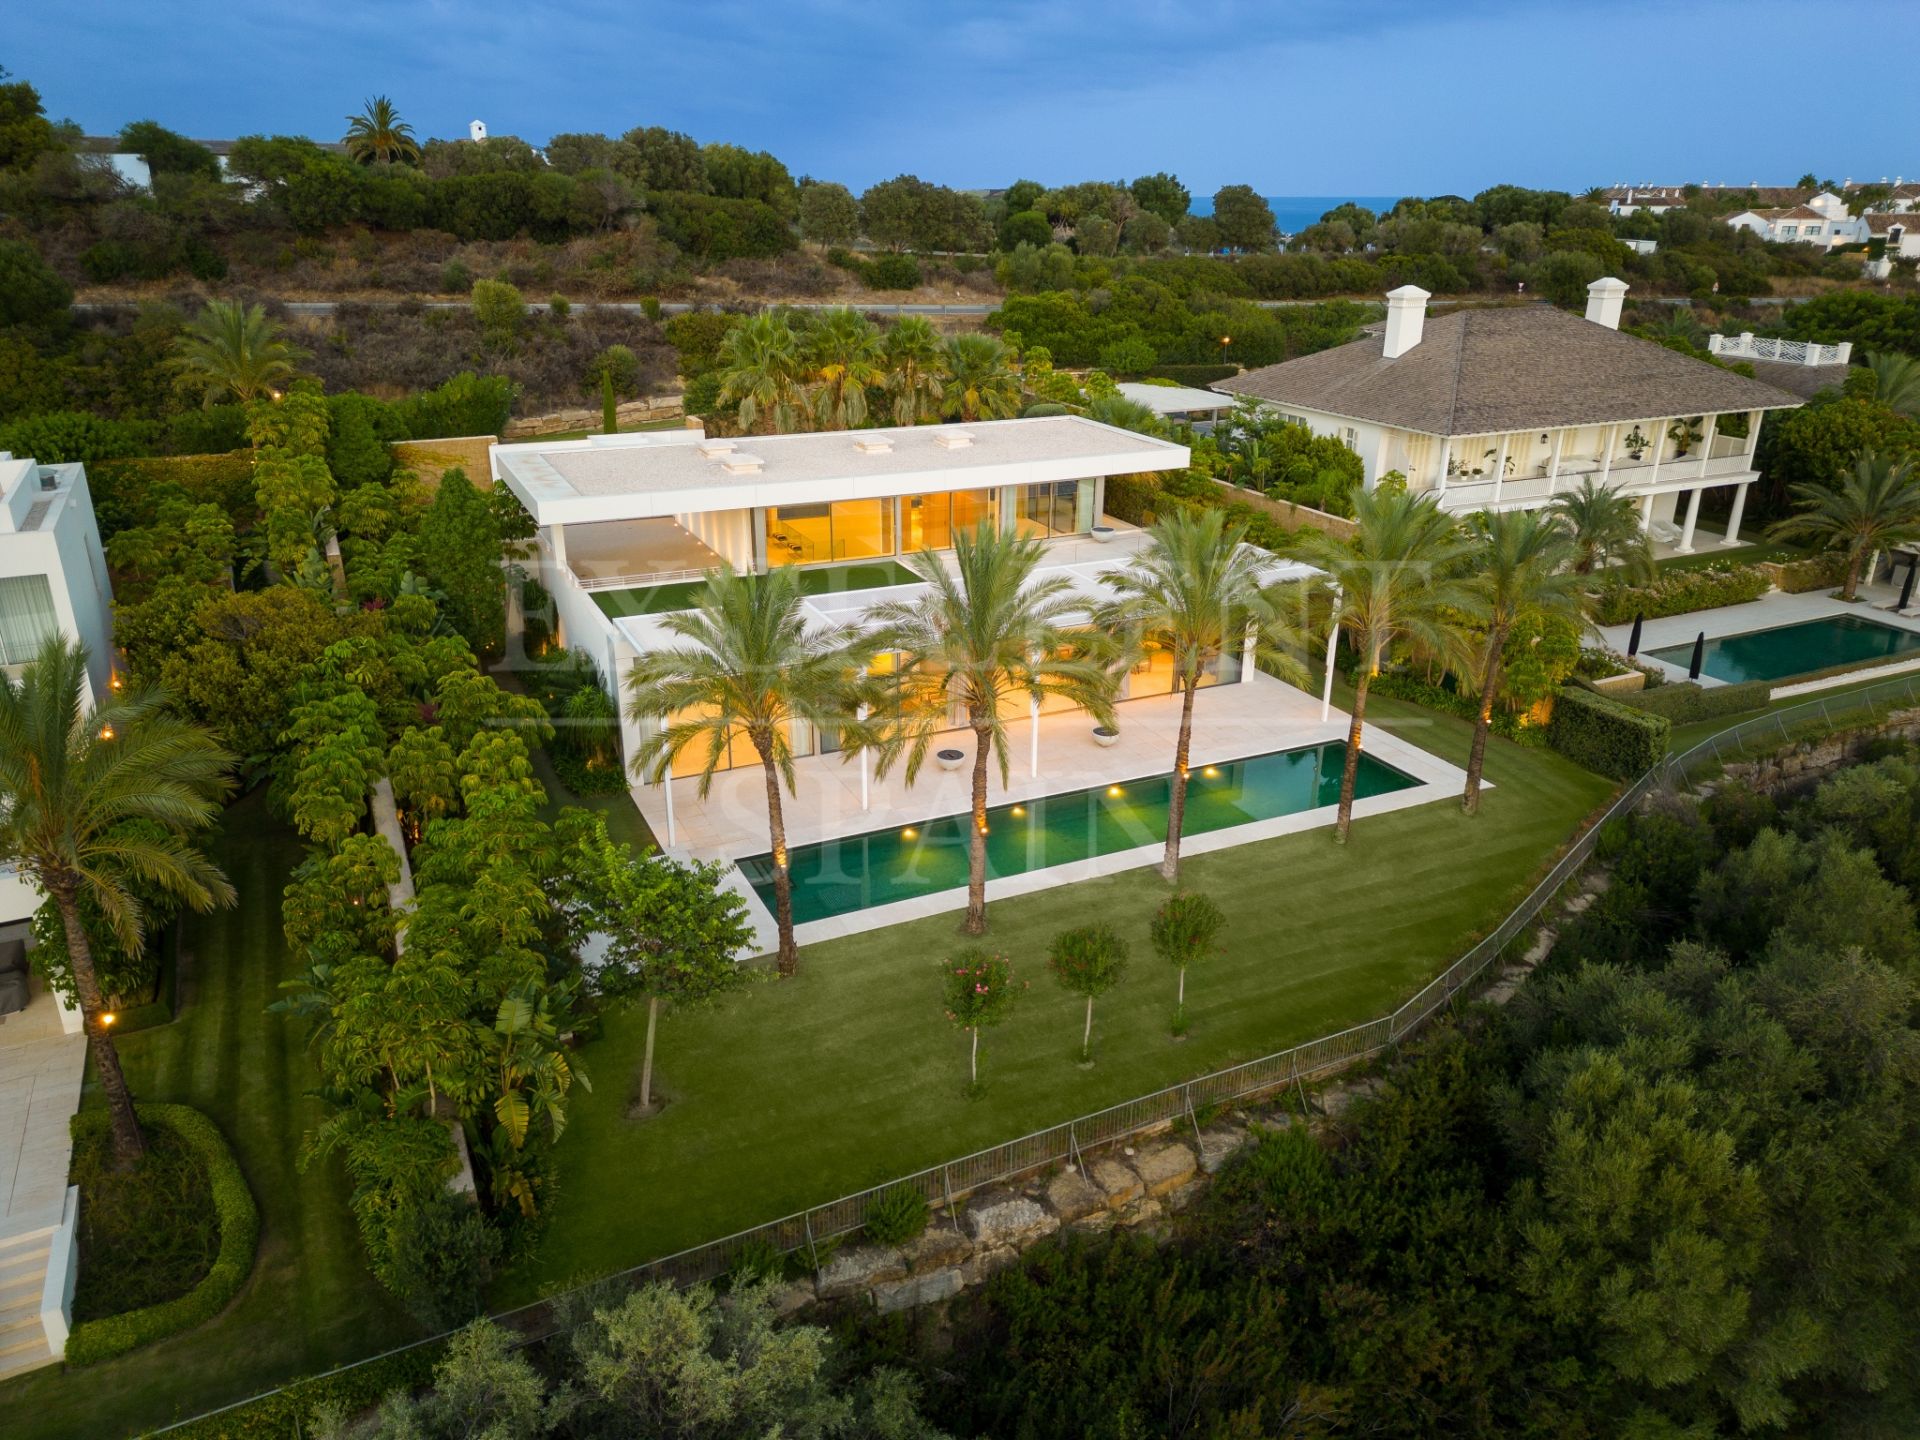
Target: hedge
[[1199, 376], [1604, 736], [1675, 592], [289, 1412], [1683, 701], [1400, 685], [1817, 572], [95, 1340]]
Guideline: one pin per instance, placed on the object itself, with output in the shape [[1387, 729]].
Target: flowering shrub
[[980, 988]]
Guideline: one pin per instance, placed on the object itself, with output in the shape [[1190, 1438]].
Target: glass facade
[[929, 522], [1152, 673], [1061, 507], [841, 530], [739, 754], [26, 617]]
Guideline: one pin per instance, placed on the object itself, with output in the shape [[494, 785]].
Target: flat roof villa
[[628, 525], [1502, 408]]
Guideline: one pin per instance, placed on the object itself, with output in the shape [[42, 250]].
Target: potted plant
[[949, 758], [1103, 534], [1684, 434], [1105, 736], [1636, 444]]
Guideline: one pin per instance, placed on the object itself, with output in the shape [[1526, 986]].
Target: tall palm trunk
[[1483, 722], [646, 1065], [1350, 772], [787, 960], [1177, 792], [976, 921], [1854, 564], [128, 1142]]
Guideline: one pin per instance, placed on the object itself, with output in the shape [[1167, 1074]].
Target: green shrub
[[288, 1412], [1198, 375], [756, 1260], [1401, 685], [59, 437], [896, 1215], [1604, 736], [1817, 572], [1676, 592], [892, 272], [95, 1340], [127, 494], [714, 228], [468, 404], [1685, 701]]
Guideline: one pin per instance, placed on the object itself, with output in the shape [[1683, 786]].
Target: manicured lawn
[[1712, 554], [310, 1304], [824, 580], [790, 1094]]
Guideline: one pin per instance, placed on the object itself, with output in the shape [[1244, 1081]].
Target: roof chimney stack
[[1406, 319], [1604, 298]]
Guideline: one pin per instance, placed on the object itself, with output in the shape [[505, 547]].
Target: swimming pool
[[857, 872], [1801, 649]]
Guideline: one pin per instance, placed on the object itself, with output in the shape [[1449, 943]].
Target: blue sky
[[1296, 97]]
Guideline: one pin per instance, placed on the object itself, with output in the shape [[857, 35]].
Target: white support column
[[1333, 644], [557, 544], [1553, 465], [1646, 513], [666, 786], [866, 757], [1500, 466], [1659, 451], [1033, 755], [1739, 509], [1446, 458], [1606, 456], [1693, 516], [1754, 417], [1706, 442], [1246, 655]]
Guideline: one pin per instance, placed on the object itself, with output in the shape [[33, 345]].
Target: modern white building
[[1504, 407], [629, 525], [53, 580], [1179, 404]]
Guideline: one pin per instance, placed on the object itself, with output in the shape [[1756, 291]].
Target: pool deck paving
[[1770, 612], [1231, 722]]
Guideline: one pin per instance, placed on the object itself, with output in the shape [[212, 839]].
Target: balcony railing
[[1624, 476], [1748, 346]]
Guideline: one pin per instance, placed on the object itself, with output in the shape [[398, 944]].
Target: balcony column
[[1446, 458], [666, 787], [1646, 513], [1553, 465], [1693, 516], [1739, 509], [1659, 451], [1754, 417], [1246, 655], [1606, 456], [1706, 442], [1500, 467]]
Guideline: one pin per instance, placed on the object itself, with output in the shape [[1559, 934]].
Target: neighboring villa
[[1821, 219], [1179, 404], [629, 524], [53, 579], [1503, 408], [1900, 230]]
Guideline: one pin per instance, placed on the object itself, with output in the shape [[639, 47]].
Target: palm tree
[[1197, 592], [1896, 382], [981, 381], [378, 133], [1519, 567], [916, 364], [1605, 530], [1397, 579], [842, 348], [233, 349], [70, 777], [750, 666], [981, 637], [1875, 507], [760, 372]]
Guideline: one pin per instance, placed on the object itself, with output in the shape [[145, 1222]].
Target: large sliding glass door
[[929, 522], [841, 530], [1061, 507]]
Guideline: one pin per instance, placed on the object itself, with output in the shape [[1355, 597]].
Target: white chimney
[[1604, 298], [1406, 319], [476, 130]]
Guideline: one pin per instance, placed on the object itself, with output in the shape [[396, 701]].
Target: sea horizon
[[1294, 213]]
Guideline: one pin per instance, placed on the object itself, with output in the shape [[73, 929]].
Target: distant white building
[[1820, 220], [1900, 230], [132, 169], [1179, 404], [53, 580]]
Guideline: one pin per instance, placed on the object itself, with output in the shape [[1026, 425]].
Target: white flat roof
[[1174, 399], [662, 473]]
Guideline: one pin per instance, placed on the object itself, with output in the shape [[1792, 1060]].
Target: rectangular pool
[[857, 872], [1790, 650]]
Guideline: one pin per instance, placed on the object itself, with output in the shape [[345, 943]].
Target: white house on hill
[[1502, 408]]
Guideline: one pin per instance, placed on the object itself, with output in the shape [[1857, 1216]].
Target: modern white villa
[[53, 579], [629, 525], [1503, 408]]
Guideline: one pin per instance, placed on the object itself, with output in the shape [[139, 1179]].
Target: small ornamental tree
[[1088, 961], [980, 991], [1185, 930]]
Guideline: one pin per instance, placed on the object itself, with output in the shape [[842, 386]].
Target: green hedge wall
[[95, 1340], [1675, 592], [1683, 701], [1399, 685], [289, 1412], [1818, 572], [1198, 376], [1604, 736]]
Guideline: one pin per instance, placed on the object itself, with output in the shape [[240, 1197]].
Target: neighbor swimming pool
[[857, 872], [1788, 650]]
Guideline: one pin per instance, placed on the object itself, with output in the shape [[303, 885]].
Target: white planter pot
[[1103, 534], [1105, 738], [949, 759]]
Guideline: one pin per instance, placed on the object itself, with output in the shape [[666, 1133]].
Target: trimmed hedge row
[[1198, 376], [1683, 701], [1399, 685], [1675, 592], [289, 1412], [1602, 735], [1818, 572], [95, 1340]]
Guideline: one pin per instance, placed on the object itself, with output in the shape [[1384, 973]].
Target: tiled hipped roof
[[1486, 371]]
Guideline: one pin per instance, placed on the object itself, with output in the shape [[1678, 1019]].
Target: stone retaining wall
[[629, 412], [1289, 514], [1808, 761]]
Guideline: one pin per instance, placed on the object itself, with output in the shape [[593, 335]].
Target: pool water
[[856, 872], [1823, 644]]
